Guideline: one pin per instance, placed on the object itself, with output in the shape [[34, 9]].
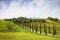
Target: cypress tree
[[54, 30], [30, 27], [40, 28], [36, 29], [49, 28], [45, 28]]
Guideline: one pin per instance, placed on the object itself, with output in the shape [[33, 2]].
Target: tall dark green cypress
[[45, 28], [30, 27], [40, 28], [54, 30], [36, 29], [49, 28]]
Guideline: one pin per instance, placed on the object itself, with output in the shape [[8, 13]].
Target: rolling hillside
[[22, 33], [9, 26]]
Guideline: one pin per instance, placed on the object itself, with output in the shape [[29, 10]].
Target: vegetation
[[8, 26], [47, 25], [53, 19], [25, 36], [23, 28]]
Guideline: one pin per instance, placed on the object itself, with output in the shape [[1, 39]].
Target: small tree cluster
[[53, 19]]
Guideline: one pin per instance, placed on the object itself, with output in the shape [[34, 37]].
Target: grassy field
[[21, 33], [25, 36], [8, 26]]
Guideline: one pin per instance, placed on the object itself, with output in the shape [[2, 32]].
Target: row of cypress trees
[[31, 27]]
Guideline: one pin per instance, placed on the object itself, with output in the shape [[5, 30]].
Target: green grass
[[25, 36], [21, 33], [8, 26], [49, 21]]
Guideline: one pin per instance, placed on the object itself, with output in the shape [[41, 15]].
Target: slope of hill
[[9, 26], [23, 34]]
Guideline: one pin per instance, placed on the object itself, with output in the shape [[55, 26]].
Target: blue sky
[[29, 8]]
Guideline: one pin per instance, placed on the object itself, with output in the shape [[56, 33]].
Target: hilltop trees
[[24, 20], [53, 19], [28, 20]]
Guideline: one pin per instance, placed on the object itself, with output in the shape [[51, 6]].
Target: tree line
[[23, 20], [26, 22]]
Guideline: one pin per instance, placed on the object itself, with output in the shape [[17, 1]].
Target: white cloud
[[37, 8]]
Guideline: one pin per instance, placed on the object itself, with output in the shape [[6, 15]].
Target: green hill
[[22, 33], [9, 26]]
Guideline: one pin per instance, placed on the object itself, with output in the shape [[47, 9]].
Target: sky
[[29, 8]]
